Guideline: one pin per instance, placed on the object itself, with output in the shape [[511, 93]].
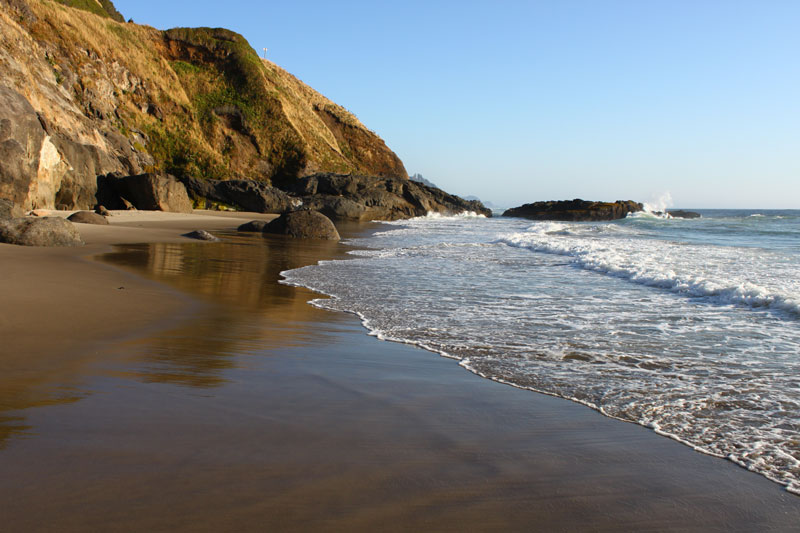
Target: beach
[[173, 384]]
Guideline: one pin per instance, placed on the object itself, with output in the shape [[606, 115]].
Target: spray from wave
[[659, 204]]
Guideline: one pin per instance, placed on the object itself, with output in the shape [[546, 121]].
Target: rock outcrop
[[88, 217], [44, 231], [253, 226], [303, 224], [575, 210], [241, 195], [362, 198], [83, 94], [150, 192], [681, 213], [9, 210]]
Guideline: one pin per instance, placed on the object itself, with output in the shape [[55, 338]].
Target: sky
[[696, 103]]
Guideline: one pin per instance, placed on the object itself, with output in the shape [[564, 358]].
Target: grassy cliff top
[[189, 101], [104, 8]]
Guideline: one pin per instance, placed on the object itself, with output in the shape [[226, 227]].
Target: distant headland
[[586, 211]]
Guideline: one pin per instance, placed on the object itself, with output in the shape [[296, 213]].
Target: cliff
[[83, 94]]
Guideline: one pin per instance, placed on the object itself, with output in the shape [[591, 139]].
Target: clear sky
[[518, 101]]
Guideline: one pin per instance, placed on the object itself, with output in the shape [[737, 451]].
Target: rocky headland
[[575, 210], [96, 111]]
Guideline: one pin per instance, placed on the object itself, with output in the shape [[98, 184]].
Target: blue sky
[[522, 101]]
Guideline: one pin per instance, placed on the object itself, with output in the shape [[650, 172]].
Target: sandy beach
[[171, 384]]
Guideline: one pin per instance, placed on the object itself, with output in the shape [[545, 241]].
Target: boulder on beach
[[304, 224], [575, 210], [201, 235], [340, 208], [87, 217], [44, 231], [253, 225]]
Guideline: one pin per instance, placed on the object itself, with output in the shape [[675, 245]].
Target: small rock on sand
[[201, 234], [253, 225], [87, 217]]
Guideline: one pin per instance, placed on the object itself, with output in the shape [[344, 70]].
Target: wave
[[649, 215], [648, 264], [716, 378], [432, 215]]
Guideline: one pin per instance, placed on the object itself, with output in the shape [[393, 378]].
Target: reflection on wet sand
[[250, 312], [321, 427], [245, 311], [19, 398]]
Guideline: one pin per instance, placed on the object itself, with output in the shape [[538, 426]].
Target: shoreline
[[284, 414], [421, 346]]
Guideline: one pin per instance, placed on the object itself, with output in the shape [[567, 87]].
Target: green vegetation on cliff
[[104, 8], [191, 101], [226, 82]]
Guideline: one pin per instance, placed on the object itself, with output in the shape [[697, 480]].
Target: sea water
[[688, 327]]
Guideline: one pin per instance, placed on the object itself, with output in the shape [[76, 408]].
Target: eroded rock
[[44, 231], [21, 143], [575, 210], [353, 197], [149, 192], [9, 210], [243, 195], [304, 224], [88, 217]]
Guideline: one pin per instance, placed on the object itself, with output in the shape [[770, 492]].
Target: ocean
[[688, 327]]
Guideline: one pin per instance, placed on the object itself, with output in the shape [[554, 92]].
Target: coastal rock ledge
[[575, 210]]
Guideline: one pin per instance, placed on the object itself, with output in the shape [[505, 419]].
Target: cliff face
[[83, 94]]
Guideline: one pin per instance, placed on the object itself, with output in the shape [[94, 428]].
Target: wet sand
[[252, 410]]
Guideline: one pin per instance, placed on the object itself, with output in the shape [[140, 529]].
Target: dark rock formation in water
[[304, 224], [680, 213], [361, 198], [152, 192], [46, 231], [575, 210], [88, 217]]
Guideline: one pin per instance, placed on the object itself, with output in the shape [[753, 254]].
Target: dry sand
[[248, 409]]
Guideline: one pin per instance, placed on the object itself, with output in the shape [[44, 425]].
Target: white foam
[[659, 204], [433, 215], [715, 377], [696, 273]]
